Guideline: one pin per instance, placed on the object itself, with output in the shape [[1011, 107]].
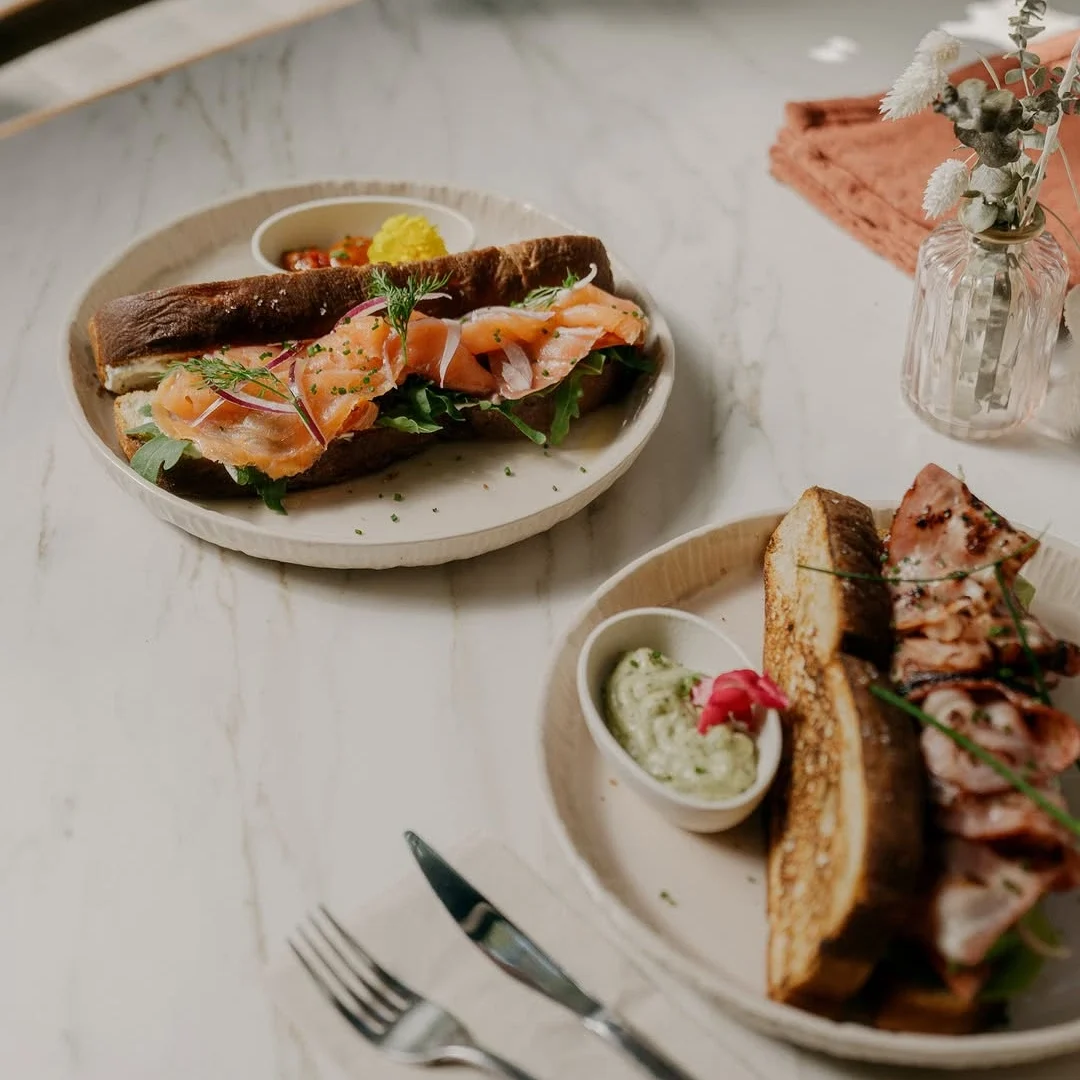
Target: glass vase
[[984, 322]]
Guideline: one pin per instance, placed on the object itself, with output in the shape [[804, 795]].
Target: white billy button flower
[[939, 49], [946, 184], [918, 86], [924, 79]]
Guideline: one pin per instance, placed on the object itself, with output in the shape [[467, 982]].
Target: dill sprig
[[985, 756], [546, 295], [952, 575], [401, 300], [221, 373]]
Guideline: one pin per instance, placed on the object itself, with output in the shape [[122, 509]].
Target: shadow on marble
[[1039, 447]]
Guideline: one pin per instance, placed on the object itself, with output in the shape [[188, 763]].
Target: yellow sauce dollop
[[406, 238]]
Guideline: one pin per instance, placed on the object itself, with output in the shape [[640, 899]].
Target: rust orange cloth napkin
[[868, 174]]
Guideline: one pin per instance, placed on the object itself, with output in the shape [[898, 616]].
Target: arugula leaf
[[567, 405], [270, 491], [418, 405], [408, 424], [1014, 970], [144, 429], [507, 409], [631, 358], [159, 453]]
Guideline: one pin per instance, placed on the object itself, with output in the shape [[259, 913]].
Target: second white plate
[[456, 500], [696, 904]]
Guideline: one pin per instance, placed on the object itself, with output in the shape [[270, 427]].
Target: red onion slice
[[277, 361], [368, 307], [586, 280], [517, 371], [211, 408], [529, 313], [306, 416], [434, 296], [288, 354], [387, 369], [453, 339], [250, 401]]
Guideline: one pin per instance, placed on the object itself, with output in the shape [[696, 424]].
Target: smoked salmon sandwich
[[288, 381], [918, 822]]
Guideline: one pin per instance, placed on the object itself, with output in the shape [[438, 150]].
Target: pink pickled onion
[[733, 698]]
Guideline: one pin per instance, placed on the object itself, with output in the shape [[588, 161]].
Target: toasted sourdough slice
[[846, 816], [133, 338], [362, 452]]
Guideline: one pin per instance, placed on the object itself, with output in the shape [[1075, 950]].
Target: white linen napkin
[[414, 938]]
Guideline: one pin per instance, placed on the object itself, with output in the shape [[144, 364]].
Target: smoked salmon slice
[[302, 397], [335, 379]]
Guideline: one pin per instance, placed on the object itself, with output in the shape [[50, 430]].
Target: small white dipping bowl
[[325, 222], [693, 642]]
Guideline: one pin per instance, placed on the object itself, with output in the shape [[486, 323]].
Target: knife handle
[[489, 1062], [609, 1028]]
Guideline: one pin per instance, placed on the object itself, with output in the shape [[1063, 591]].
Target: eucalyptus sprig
[[998, 184]]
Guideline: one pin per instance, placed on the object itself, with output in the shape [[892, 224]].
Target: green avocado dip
[[649, 711]]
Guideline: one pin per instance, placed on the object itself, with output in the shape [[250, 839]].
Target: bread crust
[[190, 319], [186, 320], [846, 813]]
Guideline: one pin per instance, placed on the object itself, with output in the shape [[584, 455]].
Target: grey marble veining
[[196, 745]]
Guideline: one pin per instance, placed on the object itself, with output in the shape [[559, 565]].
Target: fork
[[386, 1012]]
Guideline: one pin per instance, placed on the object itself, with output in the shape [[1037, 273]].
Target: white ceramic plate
[[458, 500], [712, 931]]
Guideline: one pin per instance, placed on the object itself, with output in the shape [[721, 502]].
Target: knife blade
[[511, 949]]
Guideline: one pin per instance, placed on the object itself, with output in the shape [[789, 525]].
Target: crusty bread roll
[[134, 338]]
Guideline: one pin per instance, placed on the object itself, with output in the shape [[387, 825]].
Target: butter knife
[[522, 959]]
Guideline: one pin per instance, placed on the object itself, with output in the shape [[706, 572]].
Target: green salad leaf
[[158, 453], [568, 395], [1025, 591], [630, 357], [272, 492], [409, 424], [1015, 966], [420, 407]]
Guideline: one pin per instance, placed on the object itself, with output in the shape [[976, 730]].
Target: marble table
[[172, 795]]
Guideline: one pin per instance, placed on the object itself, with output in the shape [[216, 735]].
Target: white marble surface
[[196, 746]]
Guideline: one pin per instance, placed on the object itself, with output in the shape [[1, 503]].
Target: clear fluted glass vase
[[984, 322]]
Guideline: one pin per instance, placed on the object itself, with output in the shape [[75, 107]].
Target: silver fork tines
[[385, 1011]]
